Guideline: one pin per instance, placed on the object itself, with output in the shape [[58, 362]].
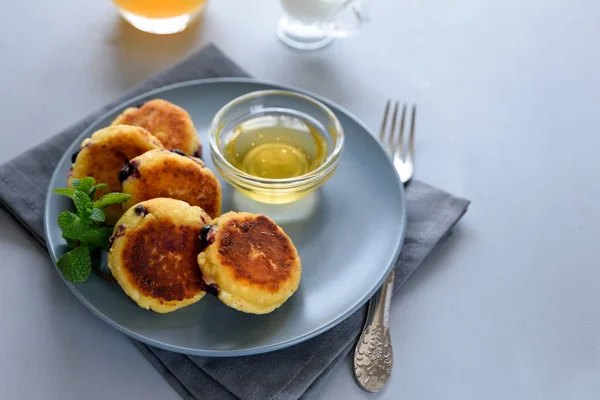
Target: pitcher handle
[[339, 29]]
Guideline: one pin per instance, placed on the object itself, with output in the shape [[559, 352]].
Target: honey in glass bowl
[[275, 146]]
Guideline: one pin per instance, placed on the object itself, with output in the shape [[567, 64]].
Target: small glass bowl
[[277, 103]]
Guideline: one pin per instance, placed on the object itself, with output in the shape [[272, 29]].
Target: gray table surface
[[508, 95]]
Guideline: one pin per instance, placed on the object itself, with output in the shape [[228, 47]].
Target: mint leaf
[[83, 204], [84, 184], [88, 234], [82, 230], [72, 243], [65, 192], [111, 198], [96, 236], [76, 265], [97, 215], [92, 191], [71, 225]]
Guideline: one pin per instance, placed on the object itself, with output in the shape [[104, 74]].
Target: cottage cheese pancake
[[171, 124], [161, 173], [104, 154], [249, 262], [153, 254]]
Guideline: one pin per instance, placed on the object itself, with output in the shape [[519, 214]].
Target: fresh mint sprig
[[85, 230]]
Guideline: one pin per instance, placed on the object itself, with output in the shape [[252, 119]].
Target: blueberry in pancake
[[104, 154], [171, 124], [249, 262], [153, 254], [163, 173]]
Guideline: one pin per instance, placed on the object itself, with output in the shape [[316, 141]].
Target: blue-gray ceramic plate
[[347, 245]]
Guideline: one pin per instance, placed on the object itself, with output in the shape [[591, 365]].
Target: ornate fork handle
[[374, 356]]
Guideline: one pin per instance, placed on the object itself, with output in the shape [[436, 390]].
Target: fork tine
[[384, 122], [411, 139], [399, 149], [393, 129]]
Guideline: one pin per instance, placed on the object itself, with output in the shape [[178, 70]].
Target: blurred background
[[436, 53]]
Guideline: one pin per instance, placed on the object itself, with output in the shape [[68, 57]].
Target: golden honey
[[276, 147]]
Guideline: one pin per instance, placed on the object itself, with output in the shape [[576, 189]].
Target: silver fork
[[374, 356]]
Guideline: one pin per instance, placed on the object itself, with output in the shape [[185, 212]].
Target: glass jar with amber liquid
[[160, 16]]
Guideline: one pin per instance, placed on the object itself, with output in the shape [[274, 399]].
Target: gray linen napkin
[[285, 374]]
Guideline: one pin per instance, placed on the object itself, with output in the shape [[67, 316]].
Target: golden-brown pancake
[[153, 254], [104, 154], [171, 124], [250, 262], [161, 173]]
